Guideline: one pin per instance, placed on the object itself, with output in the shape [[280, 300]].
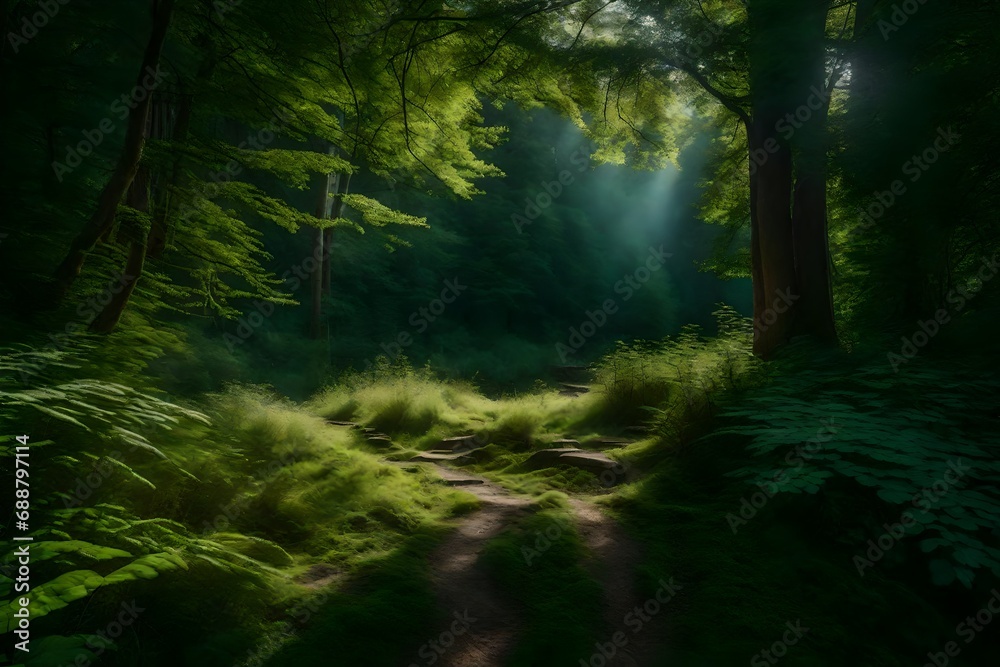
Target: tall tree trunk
[[756, 270], [320, 250], [814, 310], [316, 283], [328, 239], [863, 51], [792, 293], [157, 241], [166, 204], [342, 184], [137, 198], [778, 287], [103, 218]]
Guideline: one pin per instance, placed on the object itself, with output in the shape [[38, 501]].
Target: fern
[[897, 436]]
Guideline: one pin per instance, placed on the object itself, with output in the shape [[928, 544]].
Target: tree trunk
[[316, 282], [138, 198], [792, 291], [756, 270], [166, 205], [814, 310], [328, 239], [776, 275], [342, 183], [863, 52], [320, 251], [157, 241], [103, 218]]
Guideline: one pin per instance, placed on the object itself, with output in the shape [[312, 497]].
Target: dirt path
[[462, 584], [615, 560], [463, 587]]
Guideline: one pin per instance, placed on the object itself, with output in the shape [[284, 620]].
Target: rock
[[405, 466], [334, 422], [380, 440], [592, 461], [545, 457], [575, 388], [431, 457], [464, 442], [463, 482], [566, 442], [609, 443], [596, 462]]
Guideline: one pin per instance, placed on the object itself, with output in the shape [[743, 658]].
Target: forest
[[520, 333]]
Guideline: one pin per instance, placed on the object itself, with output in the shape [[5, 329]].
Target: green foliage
[[78, 584], [736, 587], [671, 383], [263, 471], [918, 444]]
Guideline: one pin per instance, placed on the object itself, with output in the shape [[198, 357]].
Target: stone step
[[334, 422], [593, 461], [546, 456], [575, 388], [609, 443], [429, 457], [578, 458], [463, 482], [464, 442], [566, 442], [379, 440]]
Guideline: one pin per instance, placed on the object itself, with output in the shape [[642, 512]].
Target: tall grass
[[224, 508], [671, 385]]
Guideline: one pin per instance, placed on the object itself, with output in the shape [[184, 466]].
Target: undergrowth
[[232, 507]]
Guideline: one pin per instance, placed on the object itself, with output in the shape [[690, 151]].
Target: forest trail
[[462, 584], [615, 558]]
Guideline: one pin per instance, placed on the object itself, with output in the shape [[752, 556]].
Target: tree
[[765, 64], [101, 222]]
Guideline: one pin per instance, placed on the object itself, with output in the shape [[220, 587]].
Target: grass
[[379, 617], [251, 500], [272, 482]]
